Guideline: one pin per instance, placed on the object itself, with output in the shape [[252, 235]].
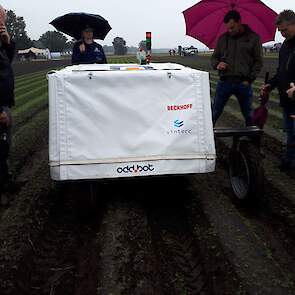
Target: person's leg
[[222, 94], [289, 126], [5, 142], [291, 147], [244, 94], [4, 148]]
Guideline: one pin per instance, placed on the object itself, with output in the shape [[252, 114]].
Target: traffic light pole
[[148, 47]]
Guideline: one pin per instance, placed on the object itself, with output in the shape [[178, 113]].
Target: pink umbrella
[[204, 20]]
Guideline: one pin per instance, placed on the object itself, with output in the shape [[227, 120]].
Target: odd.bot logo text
[[134, 169]]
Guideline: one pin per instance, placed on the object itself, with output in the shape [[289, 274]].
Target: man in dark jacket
[[7, 49], [238, 59], [284, 80], [86, 51]]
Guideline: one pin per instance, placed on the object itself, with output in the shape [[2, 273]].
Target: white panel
[[133, 169], [106, 114]]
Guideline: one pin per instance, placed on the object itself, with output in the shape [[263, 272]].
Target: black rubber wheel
[[246, 171]]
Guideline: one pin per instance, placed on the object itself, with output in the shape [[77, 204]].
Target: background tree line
[[53, 40]]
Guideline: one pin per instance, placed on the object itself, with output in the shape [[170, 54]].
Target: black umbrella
[[72, 24]]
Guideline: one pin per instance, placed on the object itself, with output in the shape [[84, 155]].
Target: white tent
[[37, 51]]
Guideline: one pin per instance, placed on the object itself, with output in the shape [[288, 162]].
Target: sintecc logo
[[178, 130], [178, 123], [135, 169]]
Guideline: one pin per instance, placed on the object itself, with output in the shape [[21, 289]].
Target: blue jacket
[[93, 54]]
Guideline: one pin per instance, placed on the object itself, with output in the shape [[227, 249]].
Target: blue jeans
[[224, 90], [289, 126]]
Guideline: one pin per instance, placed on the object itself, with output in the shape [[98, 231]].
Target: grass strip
[[35, 83], [121, 60], [26, 111], [22, 99], [22, 78]]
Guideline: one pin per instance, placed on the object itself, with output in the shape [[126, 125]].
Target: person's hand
[[291, 91], [82, 48], [246, 83], [4, 36], [265, 89], [4, 119], [222, 66]]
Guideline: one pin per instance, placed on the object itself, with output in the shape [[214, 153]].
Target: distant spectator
[[179, 50], [7, 51], [284, 80], [86, 51], [141, 56]]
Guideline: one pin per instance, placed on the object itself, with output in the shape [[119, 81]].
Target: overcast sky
[[129, 19]]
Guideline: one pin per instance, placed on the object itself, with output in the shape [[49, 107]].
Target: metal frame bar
[[251, 131]]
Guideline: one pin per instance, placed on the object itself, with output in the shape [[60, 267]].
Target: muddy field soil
[[26, 67], [161, 235]]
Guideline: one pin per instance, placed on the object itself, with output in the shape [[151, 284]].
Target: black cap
[[87, 28]]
